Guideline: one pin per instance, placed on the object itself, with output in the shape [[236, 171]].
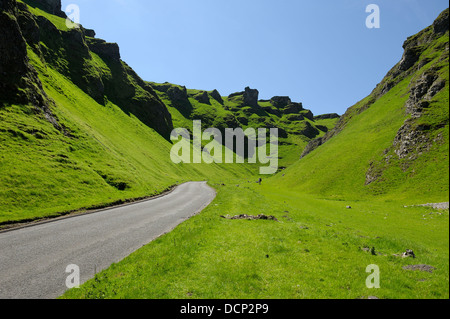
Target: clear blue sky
[[318, 52]]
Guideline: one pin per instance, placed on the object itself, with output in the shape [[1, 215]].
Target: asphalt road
[[33, 260]]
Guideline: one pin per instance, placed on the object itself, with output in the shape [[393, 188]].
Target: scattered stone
[[408, 253], [437, 205], [250, 217], [372, 297], [426, 268], [371, 250]]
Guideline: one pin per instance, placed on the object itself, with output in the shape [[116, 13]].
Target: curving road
[[33, 260]]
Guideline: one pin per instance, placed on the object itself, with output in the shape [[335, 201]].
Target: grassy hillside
[[102, 154], [394, 143], [319, 248], [79, 129], [296, 125], [103, 135]]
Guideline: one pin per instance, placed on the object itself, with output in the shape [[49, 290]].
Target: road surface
[[33, 260]]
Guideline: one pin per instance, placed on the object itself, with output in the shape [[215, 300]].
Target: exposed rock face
[[312, 145], [422, 90], [440, 25], [13, 54], [309, 130], [415, 138], [19, 80], [89, 33], [412, 140], [327, 116], [52, 6], [104, 49], [216, 96], [203, 97], [280, 101], [295, 108], [178, 94], [20, 83], [250, 96], [308, 114]]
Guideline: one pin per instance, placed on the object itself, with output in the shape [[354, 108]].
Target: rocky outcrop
[[89, 33], [177, 95], [327, 116], [308, 130], [421, 90], [312, 145], [441, 24], [104, 49], [19, 80], [249, 96], [308, 114], [413, 138], [51, 6], [280, 101], [216, 96], [202, 97], [417, 136], [70, 53], [13, 54], [295, 108], [284, 105]]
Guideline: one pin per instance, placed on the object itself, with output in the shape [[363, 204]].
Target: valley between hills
[[80, 130]]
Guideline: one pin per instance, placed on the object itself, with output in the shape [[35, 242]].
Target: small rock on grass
[[250, 217], [426, 268]]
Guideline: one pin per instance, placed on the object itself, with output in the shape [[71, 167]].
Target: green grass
[[367, 134], [367, 140], [110, 156], [35, 9], [314, 251], [233, 114]]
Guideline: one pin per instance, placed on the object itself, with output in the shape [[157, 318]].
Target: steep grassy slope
[[95, 132], [85, 149], [319, 248], [394, 143], [78, 130]]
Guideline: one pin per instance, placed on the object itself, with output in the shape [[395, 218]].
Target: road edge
[[45, 220]]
